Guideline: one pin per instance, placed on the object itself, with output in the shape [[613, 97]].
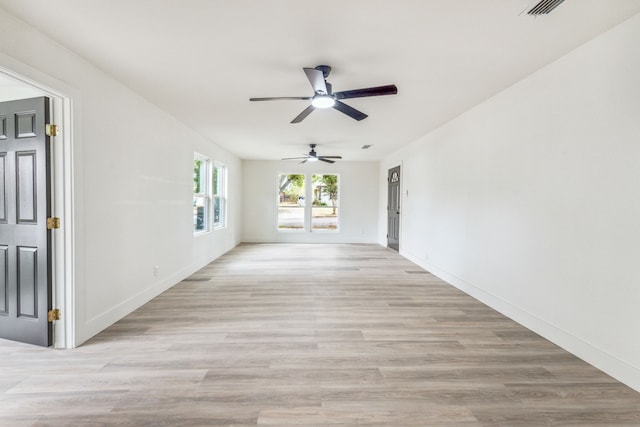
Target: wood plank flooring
[[310, 335]]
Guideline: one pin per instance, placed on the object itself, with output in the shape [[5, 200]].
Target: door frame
[[62, 192]]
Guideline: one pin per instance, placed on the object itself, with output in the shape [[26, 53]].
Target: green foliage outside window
[[197, 165]]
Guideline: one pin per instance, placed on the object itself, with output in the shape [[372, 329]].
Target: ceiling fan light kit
[[323, 101], [324, 97]]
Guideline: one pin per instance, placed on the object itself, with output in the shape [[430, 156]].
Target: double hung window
[[219, 195], [201, 193]]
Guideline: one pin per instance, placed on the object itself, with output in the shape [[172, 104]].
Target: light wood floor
[[310, 335]]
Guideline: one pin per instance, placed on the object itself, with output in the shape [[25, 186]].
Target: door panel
[[3, 194], [25, 261], [3, 126], [393, 209], [27, 282], [26, 189], [25, 124], [4, 279]]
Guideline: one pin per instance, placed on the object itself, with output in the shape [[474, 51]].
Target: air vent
[[544, 7]]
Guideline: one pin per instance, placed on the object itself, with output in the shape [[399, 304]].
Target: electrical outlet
[[156, 271]]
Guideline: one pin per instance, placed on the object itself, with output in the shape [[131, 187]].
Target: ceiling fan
[[323, 96], [313, 156]]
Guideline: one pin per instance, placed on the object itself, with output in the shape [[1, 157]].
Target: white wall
[[133, 166], [530, 202], [358, 201], [11, 89]]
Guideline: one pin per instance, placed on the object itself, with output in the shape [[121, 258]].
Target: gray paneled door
[[25, 260], [393, 209]]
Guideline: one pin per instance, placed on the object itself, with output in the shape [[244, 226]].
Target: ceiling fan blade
[[304, 161], [294, 158], [316, 78], [350, 111], [370, 91], [322, 159], [331, 157], [280, 98], [300, 117]]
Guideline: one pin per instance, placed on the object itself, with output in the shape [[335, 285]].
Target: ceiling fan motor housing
[[326, 70]]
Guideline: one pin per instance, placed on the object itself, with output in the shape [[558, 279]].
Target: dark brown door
[[393, 209], [25, 260]]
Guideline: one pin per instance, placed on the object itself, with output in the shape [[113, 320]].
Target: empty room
[[409, 213]]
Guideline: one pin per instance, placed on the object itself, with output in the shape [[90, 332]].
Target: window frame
[[219, 195], [204, 193], [337, 206], [304, 227], [307, 216]]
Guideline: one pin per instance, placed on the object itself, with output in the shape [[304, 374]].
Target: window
[[301, 200], [324, 209], [201, 193], [219, 195], [291, 202]]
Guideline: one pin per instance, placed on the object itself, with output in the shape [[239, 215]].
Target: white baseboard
[[599, 358], [107, 318]]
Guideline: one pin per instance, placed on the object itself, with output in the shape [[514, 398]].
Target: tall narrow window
[[324, 209], [291, 202], [219, 195], [201, 193]]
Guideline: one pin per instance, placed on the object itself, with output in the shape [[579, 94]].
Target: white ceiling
[[201, 60]]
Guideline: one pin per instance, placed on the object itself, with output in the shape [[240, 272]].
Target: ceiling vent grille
[[544, 7]]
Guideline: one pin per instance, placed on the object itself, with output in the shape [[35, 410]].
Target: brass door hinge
[[51, 130], [53, 223], [53, 315]]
